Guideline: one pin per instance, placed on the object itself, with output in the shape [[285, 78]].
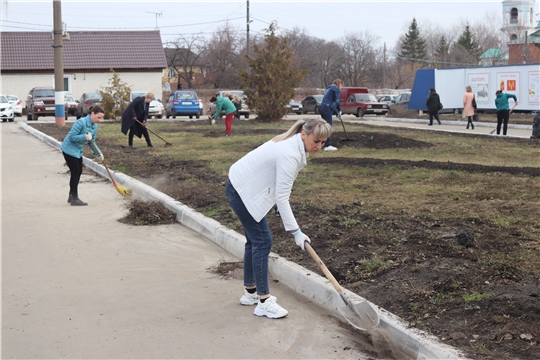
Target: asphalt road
[[76, 283]]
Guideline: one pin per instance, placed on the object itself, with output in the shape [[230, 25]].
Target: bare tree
[[358, 57], [223, 53], [184, 55]]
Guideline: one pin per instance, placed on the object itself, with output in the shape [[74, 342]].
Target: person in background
[[82, 132], [468, 108], [433, 103], [503, 110], [261, 179], [237, 101], [330, 106], [137, 112], [224, 103]]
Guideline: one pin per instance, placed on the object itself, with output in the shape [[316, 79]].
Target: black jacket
[[137, 109], [432, 102]]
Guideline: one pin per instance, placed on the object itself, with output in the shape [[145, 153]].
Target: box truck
[[522, 80]]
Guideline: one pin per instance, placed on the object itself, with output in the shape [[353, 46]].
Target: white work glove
[[88, 136], [101, 157], [300, 238]]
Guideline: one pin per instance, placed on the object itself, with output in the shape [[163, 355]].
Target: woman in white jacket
[[259, 180]]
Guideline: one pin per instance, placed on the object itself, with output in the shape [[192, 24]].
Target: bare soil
[[430, 264]]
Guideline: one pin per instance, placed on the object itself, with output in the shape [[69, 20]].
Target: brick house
[[525, 50], [27, 61]]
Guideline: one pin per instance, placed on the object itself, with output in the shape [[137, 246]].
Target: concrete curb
[[316, 288]]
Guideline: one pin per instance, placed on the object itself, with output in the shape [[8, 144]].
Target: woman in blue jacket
[[82, 132], [330, 106], [503, 110]]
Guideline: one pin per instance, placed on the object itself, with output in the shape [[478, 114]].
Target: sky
[[329, 20]]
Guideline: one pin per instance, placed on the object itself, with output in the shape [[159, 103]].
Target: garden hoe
[[166, 142], [122, 190], [347, 138], [359, 314], [512, 109]]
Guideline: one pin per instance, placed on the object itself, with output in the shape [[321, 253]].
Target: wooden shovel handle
[[323, 268]]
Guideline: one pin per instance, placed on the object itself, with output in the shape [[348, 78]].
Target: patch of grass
[[476, 296], [376, 264]]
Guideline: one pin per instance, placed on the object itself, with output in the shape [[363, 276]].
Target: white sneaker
[[213, 122], [249, 299], [330, 148], [270, 308]]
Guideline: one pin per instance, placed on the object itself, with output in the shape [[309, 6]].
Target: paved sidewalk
[[76, 283]]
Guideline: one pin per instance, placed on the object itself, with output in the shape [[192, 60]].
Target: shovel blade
[[359, 314]]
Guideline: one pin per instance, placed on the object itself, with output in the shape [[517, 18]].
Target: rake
[[122, 190], [147, 128]]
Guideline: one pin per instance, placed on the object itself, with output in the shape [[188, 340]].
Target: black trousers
[[502, 118], [144, 133], [75, 166], [434, 114]]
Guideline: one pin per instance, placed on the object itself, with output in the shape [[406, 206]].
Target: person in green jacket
[[503, 110], [224, 103]]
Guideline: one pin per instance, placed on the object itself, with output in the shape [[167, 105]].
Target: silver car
[[245, 108]]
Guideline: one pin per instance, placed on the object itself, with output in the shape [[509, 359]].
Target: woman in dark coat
[[433, 103], [137, 110]]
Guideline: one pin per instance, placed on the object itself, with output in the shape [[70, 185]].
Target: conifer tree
[[270, 81], [413, 46], [467, 42], [442, 50]]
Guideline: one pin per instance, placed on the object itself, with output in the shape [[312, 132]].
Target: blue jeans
[[326, 113], [258, 244]]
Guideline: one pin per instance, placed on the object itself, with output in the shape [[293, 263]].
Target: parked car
[[16, 104], [135, 94], [6, 110], [155, 109], [86, 101], [71, 105], [311, 104], [400, 103], [40, 102], [387, 99], [183, 103], [359, 102], [245, 103], [294, 107]]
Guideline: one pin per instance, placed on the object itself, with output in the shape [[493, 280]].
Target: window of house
[[172, 73], [67, 83], [513, 37], [513, 16]]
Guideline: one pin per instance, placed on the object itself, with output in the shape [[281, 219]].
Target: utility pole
[[59, 107], [247, 24], [384, 68]]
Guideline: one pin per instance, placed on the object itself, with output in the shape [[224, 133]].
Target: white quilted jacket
[[265, 177]]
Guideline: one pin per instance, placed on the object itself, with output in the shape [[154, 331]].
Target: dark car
[[311, 104], [40, 102], [294, 107], [183, 103], [86, 101]]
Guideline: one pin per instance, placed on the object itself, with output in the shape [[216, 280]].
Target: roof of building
[[85, 50], [493, 53]]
